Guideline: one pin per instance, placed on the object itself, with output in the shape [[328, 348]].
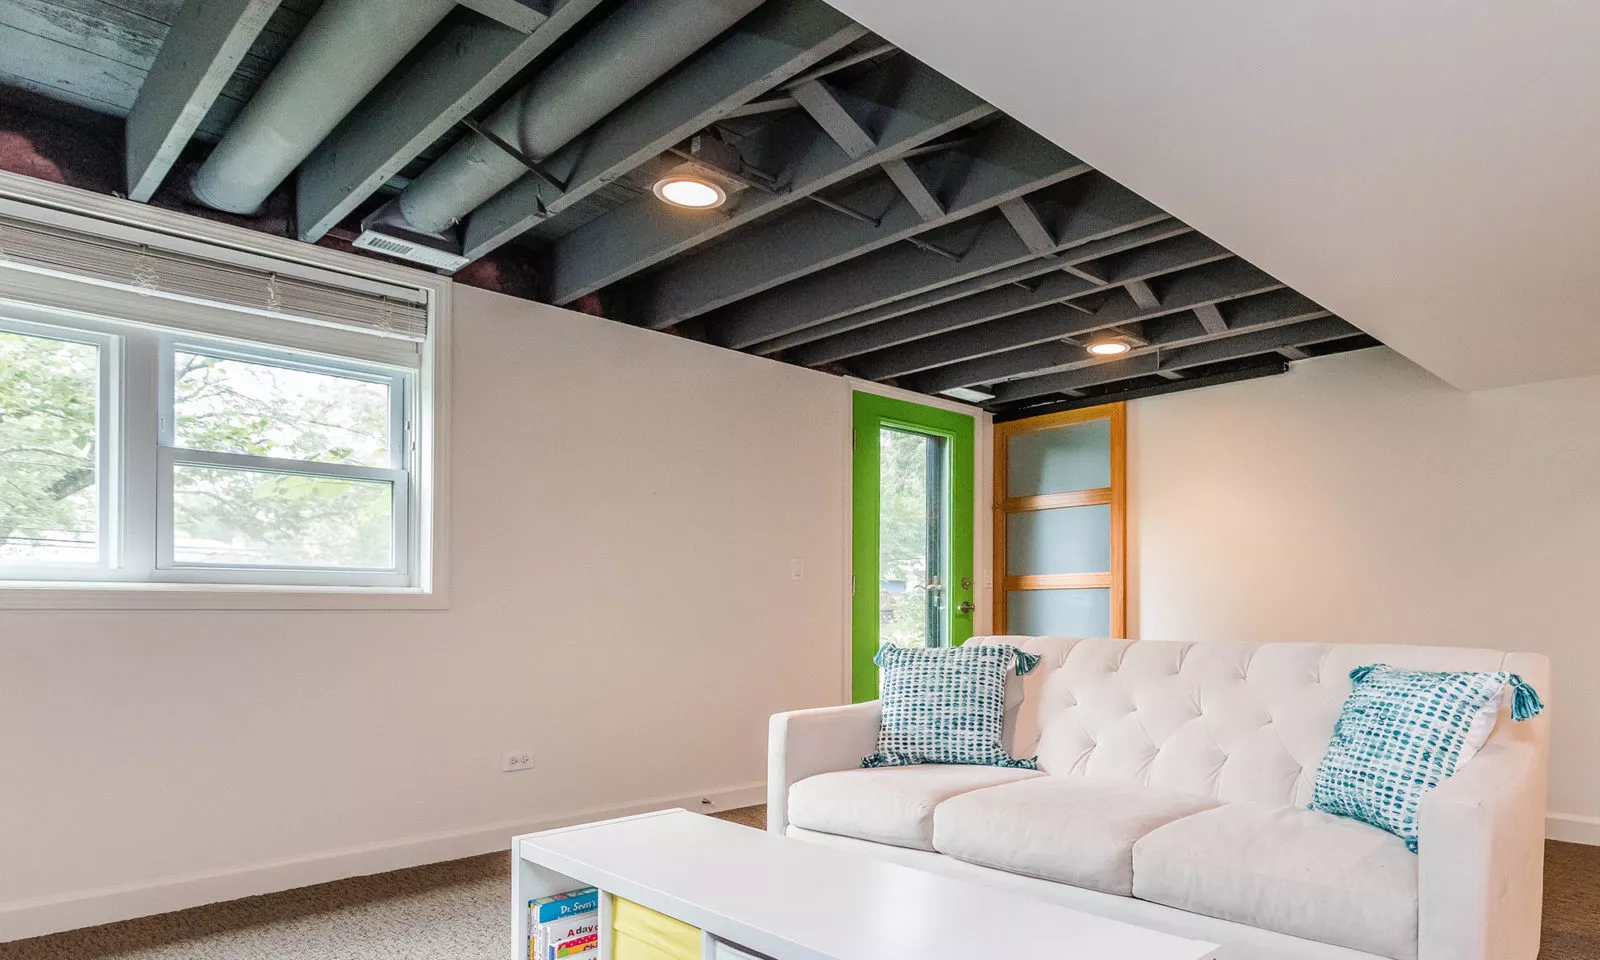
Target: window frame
[[108, 437], [136, 430], [397, 474], [51, 203]]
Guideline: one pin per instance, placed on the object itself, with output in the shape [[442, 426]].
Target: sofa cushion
[[1296, 871], [1073, 829], [888, 804]]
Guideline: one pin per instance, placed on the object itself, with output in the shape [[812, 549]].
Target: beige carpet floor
[[457, 911]]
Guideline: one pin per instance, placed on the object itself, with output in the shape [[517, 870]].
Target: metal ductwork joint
[[619, 58], [346, 48]]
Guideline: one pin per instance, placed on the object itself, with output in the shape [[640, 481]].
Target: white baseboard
[[1573, 828], [21, 919]]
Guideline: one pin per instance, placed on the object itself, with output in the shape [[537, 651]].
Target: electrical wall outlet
[[515, 760]]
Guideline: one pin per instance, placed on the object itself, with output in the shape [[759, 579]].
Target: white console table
[[791, 900]]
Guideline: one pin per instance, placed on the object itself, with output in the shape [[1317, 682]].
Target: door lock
[[967, 606]]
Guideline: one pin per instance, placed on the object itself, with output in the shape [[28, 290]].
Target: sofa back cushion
[[1231, 721]]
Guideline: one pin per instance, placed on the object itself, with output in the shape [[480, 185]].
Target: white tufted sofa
[[1171, 793]]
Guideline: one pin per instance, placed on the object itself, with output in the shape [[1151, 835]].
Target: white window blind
[[248, 296]]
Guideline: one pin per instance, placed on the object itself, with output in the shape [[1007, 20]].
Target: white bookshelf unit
[[753, 895]]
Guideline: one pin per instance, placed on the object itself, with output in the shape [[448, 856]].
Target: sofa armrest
[[1480, 881], [804, 743]]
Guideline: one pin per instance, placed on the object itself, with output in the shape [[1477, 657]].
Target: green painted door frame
[[871, 413]]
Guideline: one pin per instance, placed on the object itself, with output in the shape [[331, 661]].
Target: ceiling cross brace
[[515, 154]]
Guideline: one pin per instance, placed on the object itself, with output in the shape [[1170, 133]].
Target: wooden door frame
[[1116, 495]]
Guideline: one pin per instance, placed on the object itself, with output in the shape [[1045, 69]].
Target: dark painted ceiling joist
[[918, 107], [1224, 280], [205, 45], [1179, 253], [1275, 308], [1008, 162], [1104, 209], [410, 109], [1077, 261], [1227, 348]]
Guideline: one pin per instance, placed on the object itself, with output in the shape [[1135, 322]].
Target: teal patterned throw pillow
[[946, 705], [1404, 732]]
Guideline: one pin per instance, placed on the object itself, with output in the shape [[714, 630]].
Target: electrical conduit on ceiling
[[346, 48], [620, 57]]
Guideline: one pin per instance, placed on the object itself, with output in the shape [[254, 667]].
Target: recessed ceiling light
[[1109, 348], [685, 186]]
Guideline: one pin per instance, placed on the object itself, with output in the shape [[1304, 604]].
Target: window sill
[[78, 595]]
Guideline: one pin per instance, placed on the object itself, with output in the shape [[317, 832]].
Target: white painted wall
[[625, 505], [1357, 498]]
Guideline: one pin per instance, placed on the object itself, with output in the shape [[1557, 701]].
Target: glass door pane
[[912, 538]]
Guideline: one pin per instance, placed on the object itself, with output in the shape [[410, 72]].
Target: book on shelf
[[565, 926]]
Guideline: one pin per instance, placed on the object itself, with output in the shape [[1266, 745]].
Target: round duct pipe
[[622, 55], [346, 48]]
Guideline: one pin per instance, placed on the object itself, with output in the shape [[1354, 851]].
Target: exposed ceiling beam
[[1030, 229], [779, 40], [915, 190], [1274, 308], [1178, 381], [1009, 162], [1072, 261], [818, 100], [1211, 318], [206, 42], [472, 58], [1104, 209], [1217, 350], [1181, 253], [524, 15], [1226, 280], [912, 107]]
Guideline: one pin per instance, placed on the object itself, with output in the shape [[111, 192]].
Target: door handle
[[967, 606]]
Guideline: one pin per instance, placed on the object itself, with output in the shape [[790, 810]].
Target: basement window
[[176, 435]]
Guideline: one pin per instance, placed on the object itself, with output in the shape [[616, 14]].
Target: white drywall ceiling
[[1428, 170]]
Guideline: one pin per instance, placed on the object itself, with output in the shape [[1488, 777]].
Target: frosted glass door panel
[[1073, 457], [1059, 613], [1067, 540]]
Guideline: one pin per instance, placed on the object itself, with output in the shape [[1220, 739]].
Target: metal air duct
[[622, 55], [346, 48]]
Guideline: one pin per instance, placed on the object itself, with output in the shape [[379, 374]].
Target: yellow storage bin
[[639, 933]]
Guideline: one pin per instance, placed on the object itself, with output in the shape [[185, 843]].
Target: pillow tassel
[[1525, 702], [1026, 662], [1360, 673]]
